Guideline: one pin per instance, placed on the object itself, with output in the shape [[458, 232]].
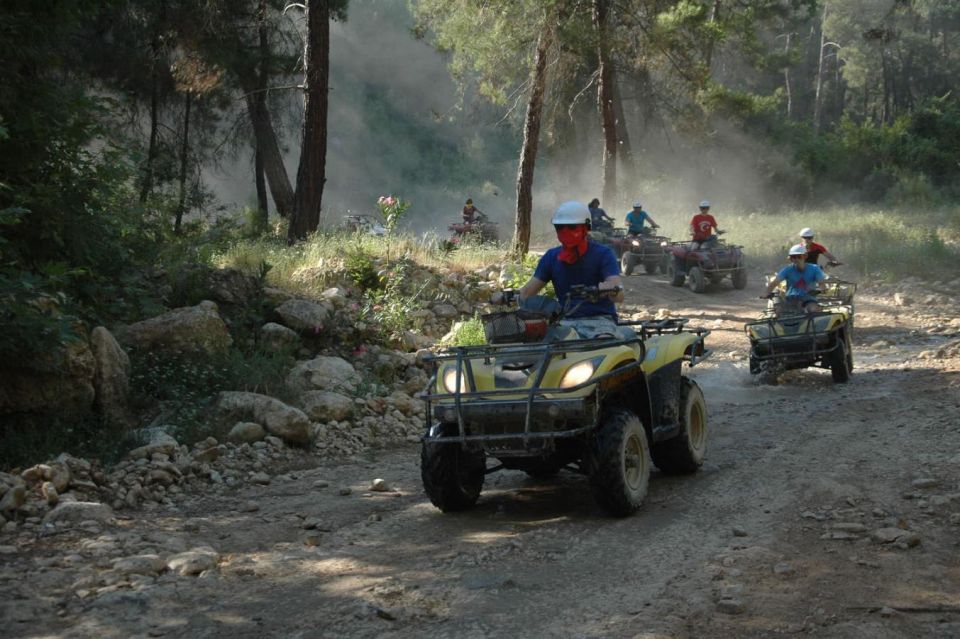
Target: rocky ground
[[823, 510]]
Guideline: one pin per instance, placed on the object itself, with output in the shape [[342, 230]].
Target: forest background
[[140, 137]]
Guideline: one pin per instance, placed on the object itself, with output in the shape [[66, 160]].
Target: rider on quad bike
[[814, 250], [702, 227], [579, 261], [801, 279], [799, 330], [470, 212], [599, 220], [566, 386], [636, 218]]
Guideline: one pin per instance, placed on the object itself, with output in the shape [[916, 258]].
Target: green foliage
[[361, 270], [915, 160], [468, 333], [393, 210], [390, 308], [184, 387], [86, 437]]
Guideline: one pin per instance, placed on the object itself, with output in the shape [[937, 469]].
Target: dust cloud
[[399, 125]]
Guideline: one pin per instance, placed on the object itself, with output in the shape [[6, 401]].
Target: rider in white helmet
[[578, 260], [801, 279], [814, 250]]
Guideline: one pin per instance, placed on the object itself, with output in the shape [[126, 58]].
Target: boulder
[[232, 286], [246, 433], [13, 498], [74, 512], [193, 329], [323, 373], [56, 383], [278, 338], [111, 379], [303, 315], [413, 341], [445, 311], [286, 422], [326, 406]]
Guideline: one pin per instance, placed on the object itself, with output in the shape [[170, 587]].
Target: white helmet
[[807, 232], [705, 204], [637, 205], [798, 249], [571, 212]]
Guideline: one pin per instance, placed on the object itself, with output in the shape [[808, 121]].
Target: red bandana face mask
[[574, 241]]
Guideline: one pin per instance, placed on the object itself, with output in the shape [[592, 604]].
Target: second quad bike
[[633, 250], [538, 398], [786, 337], [482, 229], [700, 264]]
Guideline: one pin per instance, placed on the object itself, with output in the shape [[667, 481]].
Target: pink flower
[[317, 329], [359, 351], [390, 201]]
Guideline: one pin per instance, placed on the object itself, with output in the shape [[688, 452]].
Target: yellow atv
[[787, 338], [538, 397]]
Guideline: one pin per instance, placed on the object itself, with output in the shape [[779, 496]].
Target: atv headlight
[[635, 242], [578, 373], [450, 380]]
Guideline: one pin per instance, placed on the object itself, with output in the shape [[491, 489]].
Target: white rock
[[326, 406], [303, 315], [380, 485], [148, 564], [323, 373], [193, 561]]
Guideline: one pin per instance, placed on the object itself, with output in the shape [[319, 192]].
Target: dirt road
[[825, 510]]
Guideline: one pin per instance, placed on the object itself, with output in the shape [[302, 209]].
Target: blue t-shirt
[[593, 267], [597, 214], [800, 283], [635, 220]]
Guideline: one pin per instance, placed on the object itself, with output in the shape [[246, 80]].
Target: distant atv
[[634, 250], [788, 338], [538, 398], [700, 265], [365, 224], [482, 229]]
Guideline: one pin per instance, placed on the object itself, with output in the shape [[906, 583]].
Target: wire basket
[[511, 327]]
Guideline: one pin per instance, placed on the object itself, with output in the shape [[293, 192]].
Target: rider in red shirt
[[703, 224], [814, 250]]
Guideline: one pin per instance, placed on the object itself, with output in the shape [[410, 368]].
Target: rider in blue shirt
[[801, 279], [598, 217], [577, 261], [636, 218]]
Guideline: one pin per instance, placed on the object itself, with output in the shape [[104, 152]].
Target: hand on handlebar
[[767, 296], [506, 296]]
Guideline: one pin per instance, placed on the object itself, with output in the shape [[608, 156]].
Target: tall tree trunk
[[531, 137], [155, 51], [184, 155], [714, 16], [311, 174], [818, 95], [608, 119], [267, 145], [624, 150], [262, 219], [786, 79], [263, 211]]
